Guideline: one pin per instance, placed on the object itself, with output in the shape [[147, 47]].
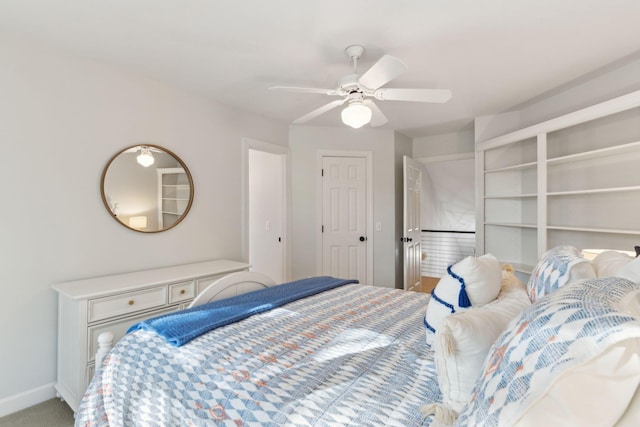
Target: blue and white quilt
[[354, 355]]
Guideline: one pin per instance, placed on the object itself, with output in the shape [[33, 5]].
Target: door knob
[[362, 238]]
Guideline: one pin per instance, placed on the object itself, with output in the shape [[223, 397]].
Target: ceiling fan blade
[[319, 111], [416, 95], [306, 90], [386, 69], [377, 116]]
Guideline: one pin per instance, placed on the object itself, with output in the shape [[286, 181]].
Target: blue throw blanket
[[181, 327]]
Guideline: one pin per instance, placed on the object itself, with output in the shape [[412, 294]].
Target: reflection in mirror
[[147, 188]]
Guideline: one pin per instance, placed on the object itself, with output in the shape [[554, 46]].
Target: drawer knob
[[182, 292], [130, 302]]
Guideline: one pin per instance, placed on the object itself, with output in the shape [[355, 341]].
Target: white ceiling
[[492, 54]]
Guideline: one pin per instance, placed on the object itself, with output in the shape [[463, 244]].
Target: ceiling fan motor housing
[[348, 83], [355, 97]]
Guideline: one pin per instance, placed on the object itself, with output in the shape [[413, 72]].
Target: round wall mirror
[[147, 188]]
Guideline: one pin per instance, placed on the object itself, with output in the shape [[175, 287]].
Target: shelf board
[[511, 224], [513, 167], [175, 199], [595, 191], [593, 230], [594, 154], [512, 196]]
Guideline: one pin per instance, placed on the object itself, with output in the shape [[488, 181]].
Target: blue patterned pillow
[[557, 267], [564, 330]]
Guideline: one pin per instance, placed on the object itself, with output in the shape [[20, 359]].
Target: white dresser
[[89, 307]]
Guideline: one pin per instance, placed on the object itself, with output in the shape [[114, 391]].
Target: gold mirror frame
[[166, 182]]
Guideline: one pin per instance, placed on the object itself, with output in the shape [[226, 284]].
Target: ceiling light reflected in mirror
[[145, 158]]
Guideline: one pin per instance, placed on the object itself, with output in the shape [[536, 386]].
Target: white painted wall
[[61, 120], [444, 144], [448, 180], [304, 142], [614, 80], [449, 196]]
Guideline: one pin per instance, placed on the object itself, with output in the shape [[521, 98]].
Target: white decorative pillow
[[631, 270], [608, 263], [620, 365], [463, 340], [470, 282], [557, 267], [565, 359]]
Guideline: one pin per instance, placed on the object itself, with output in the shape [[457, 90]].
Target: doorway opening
[[266, 223]]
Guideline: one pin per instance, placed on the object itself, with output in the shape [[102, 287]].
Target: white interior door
[[266, 217], [344, 217], [412, 179]]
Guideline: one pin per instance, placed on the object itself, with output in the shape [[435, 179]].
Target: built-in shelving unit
[[173, 195], [570, 180]]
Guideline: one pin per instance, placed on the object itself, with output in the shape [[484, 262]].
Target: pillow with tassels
[[472, 282], [463, 341]]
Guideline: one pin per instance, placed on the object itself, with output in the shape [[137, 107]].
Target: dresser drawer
[[131, 302], [118, 328], [204, 282], [182, 291]]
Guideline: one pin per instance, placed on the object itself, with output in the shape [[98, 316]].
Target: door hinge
[[321, 172], [322, 229]]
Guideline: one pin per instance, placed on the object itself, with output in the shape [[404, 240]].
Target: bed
[[357, 355], [352, 355]]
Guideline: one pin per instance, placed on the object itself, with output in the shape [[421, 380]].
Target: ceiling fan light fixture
[[145, 158], [356, 115]]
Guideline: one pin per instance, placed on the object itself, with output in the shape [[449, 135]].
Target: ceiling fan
[[357, 92], [145, 158]]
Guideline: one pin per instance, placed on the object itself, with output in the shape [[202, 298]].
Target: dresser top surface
[[103, 285]]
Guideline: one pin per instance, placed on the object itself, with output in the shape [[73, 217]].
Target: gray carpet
[[52, 413]]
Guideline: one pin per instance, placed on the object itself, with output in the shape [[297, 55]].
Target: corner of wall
[[28, 398], [445, 145], [490, 126]]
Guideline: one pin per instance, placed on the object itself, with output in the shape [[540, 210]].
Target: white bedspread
[[355, 355]]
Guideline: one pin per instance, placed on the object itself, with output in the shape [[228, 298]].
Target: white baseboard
[[23, 400]]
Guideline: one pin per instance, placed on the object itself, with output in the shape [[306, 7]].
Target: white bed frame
[[228, 286]]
